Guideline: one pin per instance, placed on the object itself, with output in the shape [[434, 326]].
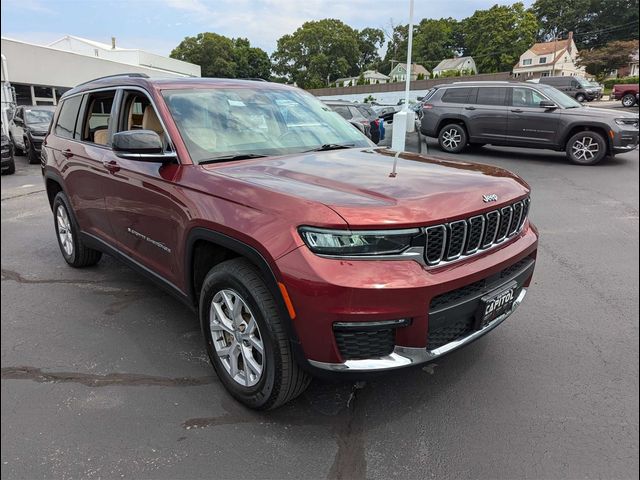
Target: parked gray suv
[[525, 115]]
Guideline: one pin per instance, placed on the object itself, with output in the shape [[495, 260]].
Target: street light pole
[[403, 121]]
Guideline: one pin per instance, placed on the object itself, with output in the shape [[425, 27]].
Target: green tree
[[369, 41], [601, 61], [317, 52], [219, 56], [496, 37], [361, 80], [435, 40], [396, 48], [593, 22]]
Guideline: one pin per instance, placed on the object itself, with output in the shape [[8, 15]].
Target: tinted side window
[[491, 95], [456, 95], [343, 110], [95, 128], [66, 123]]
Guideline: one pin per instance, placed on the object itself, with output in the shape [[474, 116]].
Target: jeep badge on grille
[[490, 198]]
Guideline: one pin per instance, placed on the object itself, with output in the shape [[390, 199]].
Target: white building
[[457, 64], [549, 59], [399, 72], [371, 77], [39, 75]]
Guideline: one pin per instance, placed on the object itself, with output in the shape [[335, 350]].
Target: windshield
[[38, 116], [558, 97], [583, 82], [226, 122]]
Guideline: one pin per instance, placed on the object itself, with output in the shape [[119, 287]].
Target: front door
[[145, 215], [528, 123]]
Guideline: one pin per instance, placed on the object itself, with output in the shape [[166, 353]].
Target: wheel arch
[[54, 185], [448, 120], [601, 129]]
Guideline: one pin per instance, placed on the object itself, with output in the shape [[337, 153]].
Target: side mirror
[[141, 145], [546, 104]]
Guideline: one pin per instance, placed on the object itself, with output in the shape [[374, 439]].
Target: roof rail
[[132, 75]]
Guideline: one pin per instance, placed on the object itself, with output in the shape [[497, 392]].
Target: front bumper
[[326, 293], [625, 141], [408, 356]]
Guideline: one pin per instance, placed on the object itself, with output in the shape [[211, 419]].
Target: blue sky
[[159, 25]]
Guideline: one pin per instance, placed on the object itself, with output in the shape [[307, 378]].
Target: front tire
[[586, 148], [452, 138], [581, 97], [629, 100], [11, 169], [246, 338], [73, 249], [30, 152]]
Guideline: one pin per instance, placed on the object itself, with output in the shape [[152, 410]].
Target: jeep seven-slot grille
[[450, 241]]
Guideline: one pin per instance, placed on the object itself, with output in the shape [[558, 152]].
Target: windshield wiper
[[331, 146], [239, 156]]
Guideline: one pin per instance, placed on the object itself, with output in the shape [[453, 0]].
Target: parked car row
[[524, 115], [27, 129], [361, 116]]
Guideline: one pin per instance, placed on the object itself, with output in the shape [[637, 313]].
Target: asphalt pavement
[[105, 376]]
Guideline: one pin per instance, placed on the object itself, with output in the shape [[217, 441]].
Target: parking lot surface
[[105, 376]]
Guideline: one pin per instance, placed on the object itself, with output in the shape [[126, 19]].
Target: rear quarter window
[[456, 95], [65, 126]]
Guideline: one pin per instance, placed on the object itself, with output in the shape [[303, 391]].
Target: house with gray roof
[[457, 64]]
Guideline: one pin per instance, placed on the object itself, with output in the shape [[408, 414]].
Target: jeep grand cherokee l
[[280, 224], [525, 115]]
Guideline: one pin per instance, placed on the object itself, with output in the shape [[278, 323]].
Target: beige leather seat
[[150, 121], [101, 136]]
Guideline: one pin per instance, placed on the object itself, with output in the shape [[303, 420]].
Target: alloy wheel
[[585, 149], [451, 139], [64, 230], [628, 101], [236, 338]]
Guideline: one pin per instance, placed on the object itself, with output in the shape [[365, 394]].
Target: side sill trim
[[101, 245]]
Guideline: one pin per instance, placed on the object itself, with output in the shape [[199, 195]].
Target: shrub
[[609, 83]]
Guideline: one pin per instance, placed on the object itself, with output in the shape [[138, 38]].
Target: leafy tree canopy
[[593, 22], [318, 53], [220, 56], [601, 61]]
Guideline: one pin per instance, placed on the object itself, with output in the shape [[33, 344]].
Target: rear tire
[[586, 148], [452, 138], [73, 249], [629, 100], [246, 338], [11, 169]]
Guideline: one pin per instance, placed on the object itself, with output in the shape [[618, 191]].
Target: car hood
[[360, 186], [599, 113]]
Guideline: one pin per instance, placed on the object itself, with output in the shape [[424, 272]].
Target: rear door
[[528, 123], [79, 154], [486, 113]]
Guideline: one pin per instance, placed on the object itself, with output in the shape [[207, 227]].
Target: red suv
[[303, 247]]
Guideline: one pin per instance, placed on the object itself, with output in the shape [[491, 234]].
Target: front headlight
[[627, 122], [358, 243]]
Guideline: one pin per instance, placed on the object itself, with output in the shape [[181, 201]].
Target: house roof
[[544, 48], [375, 74], [451, 63], [415, 68]]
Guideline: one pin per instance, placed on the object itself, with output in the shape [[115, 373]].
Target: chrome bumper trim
[[406, 356]]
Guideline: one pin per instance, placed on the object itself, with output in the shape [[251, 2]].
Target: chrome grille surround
[[461, 237]]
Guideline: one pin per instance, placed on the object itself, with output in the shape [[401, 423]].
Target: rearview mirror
[[547, 104], [141, 145]]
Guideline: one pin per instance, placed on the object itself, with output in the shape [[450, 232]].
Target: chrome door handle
[[516, 110]]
